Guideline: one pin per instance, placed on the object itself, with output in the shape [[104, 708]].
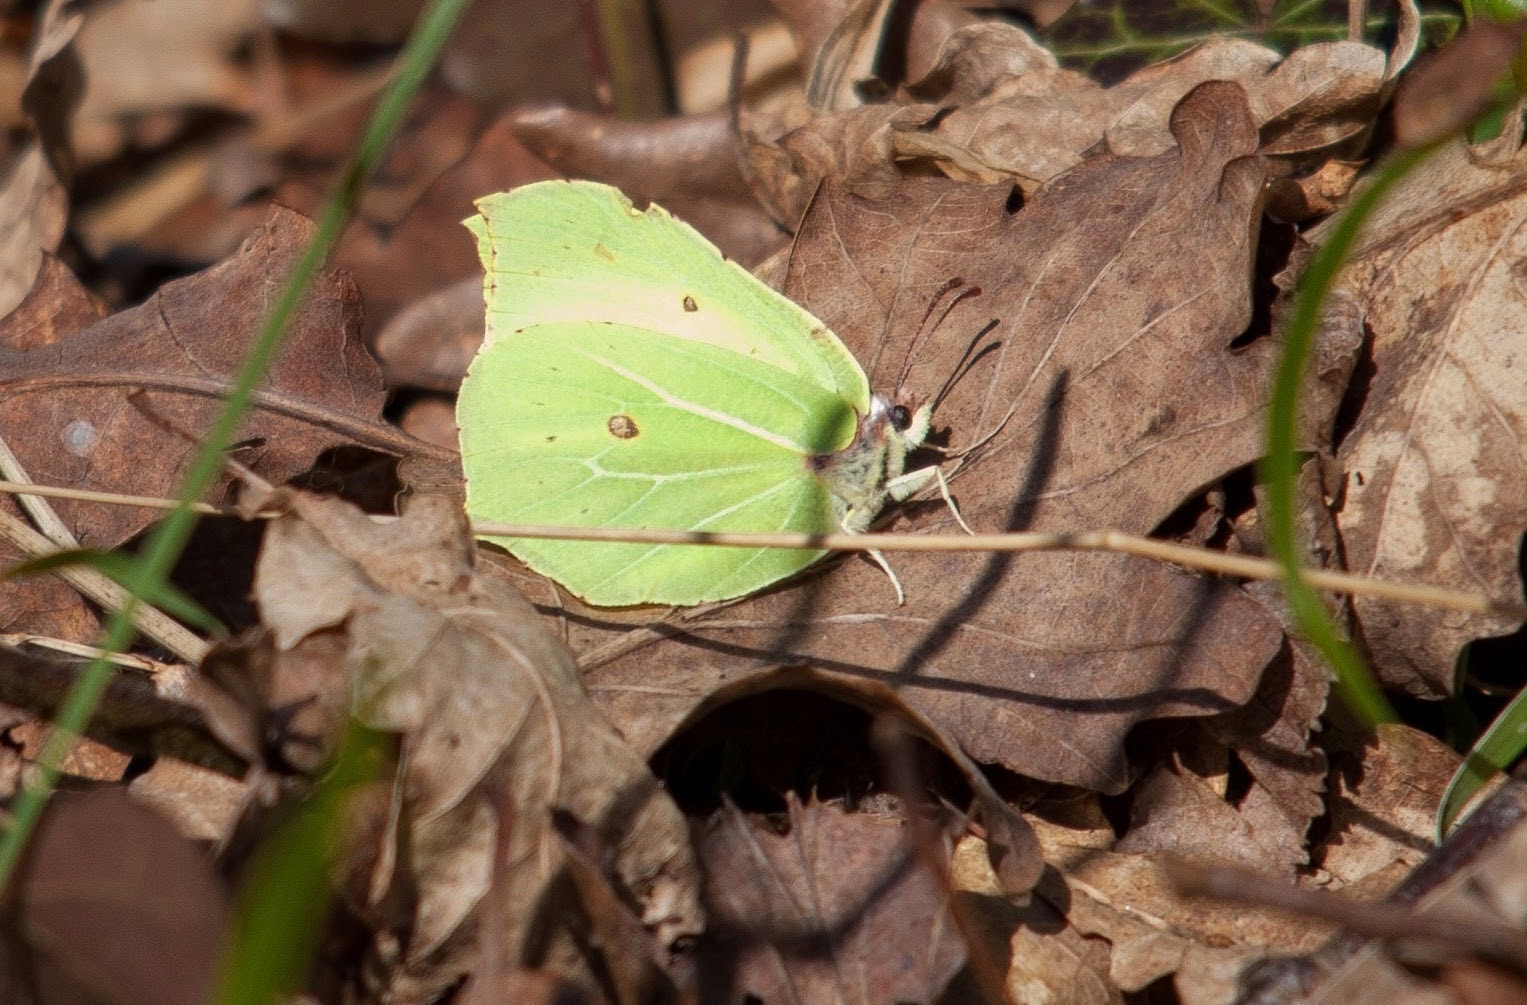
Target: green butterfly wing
[[579, 251], [613, 425]]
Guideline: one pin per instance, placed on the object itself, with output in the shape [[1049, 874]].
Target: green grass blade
[[1496, 750], [283, 895], [118, 567], [1354, 685]]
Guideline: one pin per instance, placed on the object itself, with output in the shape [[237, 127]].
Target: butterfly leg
[[901, 597], [902, 486]]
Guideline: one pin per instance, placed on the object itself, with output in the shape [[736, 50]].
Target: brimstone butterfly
[[630, 376]]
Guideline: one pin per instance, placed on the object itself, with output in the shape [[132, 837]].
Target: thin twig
[[112, 498], [56, 536], [1208, 560], [35, 506], [151, 622], [1243, 566], [20, 640], [1465, 932]]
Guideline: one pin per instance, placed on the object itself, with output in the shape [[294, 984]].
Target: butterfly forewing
[[578, 251]]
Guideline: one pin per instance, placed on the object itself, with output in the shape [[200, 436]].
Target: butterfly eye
[[901, 417]]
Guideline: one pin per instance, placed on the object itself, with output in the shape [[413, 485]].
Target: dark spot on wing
[[689, 304], [622, 427]]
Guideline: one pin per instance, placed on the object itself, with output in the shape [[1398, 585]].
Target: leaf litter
[[1122, 241]]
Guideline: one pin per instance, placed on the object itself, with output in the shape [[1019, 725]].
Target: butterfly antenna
[[967, 361], [928, 325]]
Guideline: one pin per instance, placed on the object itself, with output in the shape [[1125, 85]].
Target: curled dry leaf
[[1113, 392], [34, 207], [1433, 488], [1450, 88], [688, 165], [34, 198], [813, 23], [1014, 847], [998, 107], [1271, 737], [195, 64], [492, 717]]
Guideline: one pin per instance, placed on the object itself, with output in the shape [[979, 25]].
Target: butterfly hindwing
[[599, 424]]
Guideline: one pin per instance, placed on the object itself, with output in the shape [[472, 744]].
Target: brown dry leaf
[[115, 906], [1111, 924], [34, 198], [1434, 490], [836, 908], [34, 207], [203, 804], [1048, 960], [1118, 292], [1456, 945], [1383, 811], [64, 406], [86, 758], [57, 306], [398, 264], [492, 718], [143, 56], [1179, 811], [1155, 932], [1452, 87]]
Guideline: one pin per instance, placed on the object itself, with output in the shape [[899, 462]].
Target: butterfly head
[[907, 416]]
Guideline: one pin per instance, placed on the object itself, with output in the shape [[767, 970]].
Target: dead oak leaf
[[1118, 292], [1154, 931], [64, 405], [1435, 490], [1271, 738], [490, 710], [838, 909]]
